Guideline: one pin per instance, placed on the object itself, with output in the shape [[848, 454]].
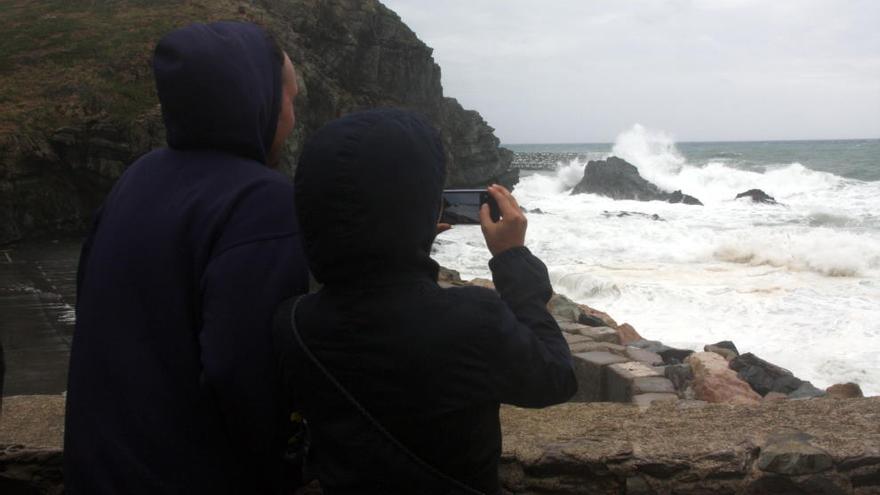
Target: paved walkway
[[37, 291]]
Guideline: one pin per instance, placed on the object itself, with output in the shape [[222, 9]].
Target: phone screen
[[462, 206]]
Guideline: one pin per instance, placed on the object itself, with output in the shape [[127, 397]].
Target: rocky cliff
[[77, 103]]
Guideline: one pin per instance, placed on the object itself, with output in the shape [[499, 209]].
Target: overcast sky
[[584, 70]]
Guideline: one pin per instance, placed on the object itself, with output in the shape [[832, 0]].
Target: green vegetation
[[64, 61]]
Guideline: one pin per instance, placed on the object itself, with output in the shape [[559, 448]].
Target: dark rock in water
[[764, 377], [758, 196], [622, 214], [679, 197], [618, 179], [536, 211], [807, 391], [726, 344]]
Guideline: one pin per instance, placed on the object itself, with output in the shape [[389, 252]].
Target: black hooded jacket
[[172, 385], [431, 364]]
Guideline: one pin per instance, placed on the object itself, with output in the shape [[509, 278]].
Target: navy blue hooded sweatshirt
[[172, 387], [431, 364]]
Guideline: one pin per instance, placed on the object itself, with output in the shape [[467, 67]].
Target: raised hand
[[510, 231]]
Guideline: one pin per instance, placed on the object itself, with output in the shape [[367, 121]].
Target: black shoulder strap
[[366, 414]]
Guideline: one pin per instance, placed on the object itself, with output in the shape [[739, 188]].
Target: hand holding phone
[[510, 231], [462, 206]]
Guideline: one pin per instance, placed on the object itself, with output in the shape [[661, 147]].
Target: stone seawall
[[815, 446]]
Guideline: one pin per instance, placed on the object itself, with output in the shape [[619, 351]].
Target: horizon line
[[798, 140]]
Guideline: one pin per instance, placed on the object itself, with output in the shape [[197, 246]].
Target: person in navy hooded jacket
[[172, 386], [429, 365]]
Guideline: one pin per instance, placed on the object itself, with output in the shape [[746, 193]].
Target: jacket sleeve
[[532, 364], [261, 264]]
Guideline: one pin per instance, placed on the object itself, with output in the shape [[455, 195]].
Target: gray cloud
[[583, 71]]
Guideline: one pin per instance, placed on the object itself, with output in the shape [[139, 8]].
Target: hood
[[220, 88], [368, 195]]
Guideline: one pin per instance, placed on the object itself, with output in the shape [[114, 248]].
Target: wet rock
[[573, 338], [681, 375], [636, 485], [806, 391], [757, 196], [793, 455], [590, 369], [652, 385], [764, 377], [586, 346], [600, 334], [622, 214], [571, 328], [590, 320], [26, 471], [448, 275], [627, 334], [675, 356], [563, 308], [650, 345], [620, 380], [844, 391], [482, 282], [600, 347], [670, 355], [605, 317], [715, 382], [618, 179], [679, 197], [721, 351], [643, 356], [726, 344]]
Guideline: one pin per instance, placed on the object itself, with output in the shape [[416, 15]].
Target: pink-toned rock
[[627, 334], [715, 382], [845, 391]]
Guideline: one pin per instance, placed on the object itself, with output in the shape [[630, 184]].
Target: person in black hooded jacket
[[171, 388], [430, 365]]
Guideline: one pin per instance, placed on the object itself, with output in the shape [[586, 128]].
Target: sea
[[796, 283]]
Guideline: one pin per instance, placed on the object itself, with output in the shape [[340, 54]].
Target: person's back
[[431, 365], [171, 386]]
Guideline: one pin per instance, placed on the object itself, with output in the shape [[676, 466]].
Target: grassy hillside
[[78, 102], [63, 61]]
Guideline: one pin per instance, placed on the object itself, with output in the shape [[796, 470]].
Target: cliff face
[[84, 104]]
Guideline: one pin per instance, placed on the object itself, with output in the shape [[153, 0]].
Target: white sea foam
[[796, 283]]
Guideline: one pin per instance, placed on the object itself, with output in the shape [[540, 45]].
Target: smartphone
[[462, 206]]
